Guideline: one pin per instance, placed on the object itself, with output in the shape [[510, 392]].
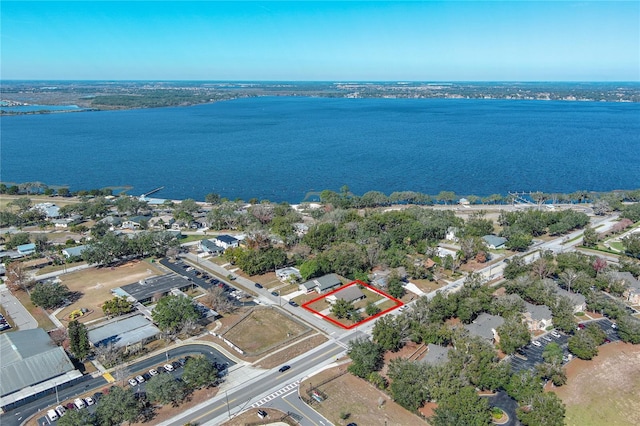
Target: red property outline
[[356, 282]]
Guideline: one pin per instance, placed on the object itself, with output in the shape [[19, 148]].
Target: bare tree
[[570, 277], [108, 354], [218, 300], [121, 372], [17, 278]]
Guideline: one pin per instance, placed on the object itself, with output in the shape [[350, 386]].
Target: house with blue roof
[[26, 249]]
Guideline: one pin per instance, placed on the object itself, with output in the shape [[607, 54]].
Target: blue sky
[[417, 41]]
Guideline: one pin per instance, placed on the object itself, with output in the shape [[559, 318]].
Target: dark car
[[97, 396], [292, 303], [215, 281], [258, 285], [284, 368], [275, 293], [176, 365]]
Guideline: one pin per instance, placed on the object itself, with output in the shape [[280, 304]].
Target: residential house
[[632, 292], [210, 247], [300, 229], [136, 222], [577, 300], [161, 222], [380, 277], [494, 242], [436, 354], [74, 251], [66, 222], [349, 294], [226, 241], [321, 284], [485, 326], [26, 249], [537, 317], [286, 274], [50, 210], [112, 221]]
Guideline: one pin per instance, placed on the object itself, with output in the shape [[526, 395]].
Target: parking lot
[[206, 280], [531, 354]]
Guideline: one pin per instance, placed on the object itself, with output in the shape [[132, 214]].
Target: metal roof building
[[124, 332], [31, 364], [144, 290]]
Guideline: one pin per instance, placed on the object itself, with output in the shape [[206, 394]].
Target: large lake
[[283, 148]]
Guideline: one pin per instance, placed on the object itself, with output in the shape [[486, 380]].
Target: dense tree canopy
[[49, 295], [173, 312]]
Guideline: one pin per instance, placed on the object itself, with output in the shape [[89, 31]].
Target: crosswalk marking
[[276, 394]]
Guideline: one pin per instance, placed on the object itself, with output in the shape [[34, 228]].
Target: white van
[[79, 403], [52, 415]]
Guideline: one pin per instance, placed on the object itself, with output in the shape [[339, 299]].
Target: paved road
[[239, 398], [90, 385], [21, 318]]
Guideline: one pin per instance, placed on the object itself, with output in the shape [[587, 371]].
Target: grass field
[[96, 284], [263, 329], [358, 398], [605, 390]]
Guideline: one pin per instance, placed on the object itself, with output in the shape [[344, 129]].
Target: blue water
[[282, 148]]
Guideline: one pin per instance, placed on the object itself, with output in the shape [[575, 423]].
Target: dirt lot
[[262, 329], [96, 284], [605, 390], [350, 394]]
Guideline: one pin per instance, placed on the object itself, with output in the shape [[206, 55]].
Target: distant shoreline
[[127, 95]]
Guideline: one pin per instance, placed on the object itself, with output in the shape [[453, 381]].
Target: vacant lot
[[604, 391], [263, 328], [358, 398], [95, 285]]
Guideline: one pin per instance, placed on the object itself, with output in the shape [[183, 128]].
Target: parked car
[[168, 367], [140, 379], [292, 303], [536, 343], [547, 338], [79, 403], [153, 372], [614, 325], [133, 382], [275, 293], [97, 396], [284, 368], [175, 365], [89, 400], [61, 410], [555, 333], [258, 285], [52, 415]]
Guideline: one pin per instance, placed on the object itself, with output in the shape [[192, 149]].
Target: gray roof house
[[494, 242], [537, 317], [31, 364], [436, 354], [632, 292], [49, 209], [210, 247], [350, 294], [577, 300], [73, 251], [284, 274], [130, 332], [321, 284], [485, 326]]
